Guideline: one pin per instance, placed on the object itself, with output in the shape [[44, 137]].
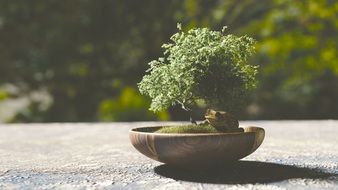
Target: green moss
[[188, 129]]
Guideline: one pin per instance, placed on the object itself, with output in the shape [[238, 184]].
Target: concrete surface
[[294, 155]]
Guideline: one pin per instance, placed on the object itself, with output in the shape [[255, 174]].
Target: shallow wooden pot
[[197, 148]]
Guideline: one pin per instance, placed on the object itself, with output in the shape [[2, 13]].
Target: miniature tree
[[201, 65]]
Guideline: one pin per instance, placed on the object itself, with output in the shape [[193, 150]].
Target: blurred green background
[[80, 60]]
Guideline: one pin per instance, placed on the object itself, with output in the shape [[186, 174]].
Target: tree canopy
[[201, 65]]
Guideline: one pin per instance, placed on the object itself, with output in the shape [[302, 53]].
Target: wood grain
[[196, 149]]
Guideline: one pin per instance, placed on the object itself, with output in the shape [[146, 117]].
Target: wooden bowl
[[200, 149]]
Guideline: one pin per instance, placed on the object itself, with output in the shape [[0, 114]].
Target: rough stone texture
[[294, 155]]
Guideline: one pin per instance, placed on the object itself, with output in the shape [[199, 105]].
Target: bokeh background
[[81, 60]]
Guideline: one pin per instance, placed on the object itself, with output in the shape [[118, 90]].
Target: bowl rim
[[133, 131]]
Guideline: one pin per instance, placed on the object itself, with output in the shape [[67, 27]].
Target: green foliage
[[201, 65], [129, 106], [3, 95], [77, 50], [188, 129], [296, 50]]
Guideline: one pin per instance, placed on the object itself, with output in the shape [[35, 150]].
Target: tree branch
[[192, 120]]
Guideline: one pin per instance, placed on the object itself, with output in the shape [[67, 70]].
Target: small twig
[[183, 106], [192, 120]]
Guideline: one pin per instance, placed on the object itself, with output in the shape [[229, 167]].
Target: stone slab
[[294, 155]]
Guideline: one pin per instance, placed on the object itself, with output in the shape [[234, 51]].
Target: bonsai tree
[[201, 65]]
